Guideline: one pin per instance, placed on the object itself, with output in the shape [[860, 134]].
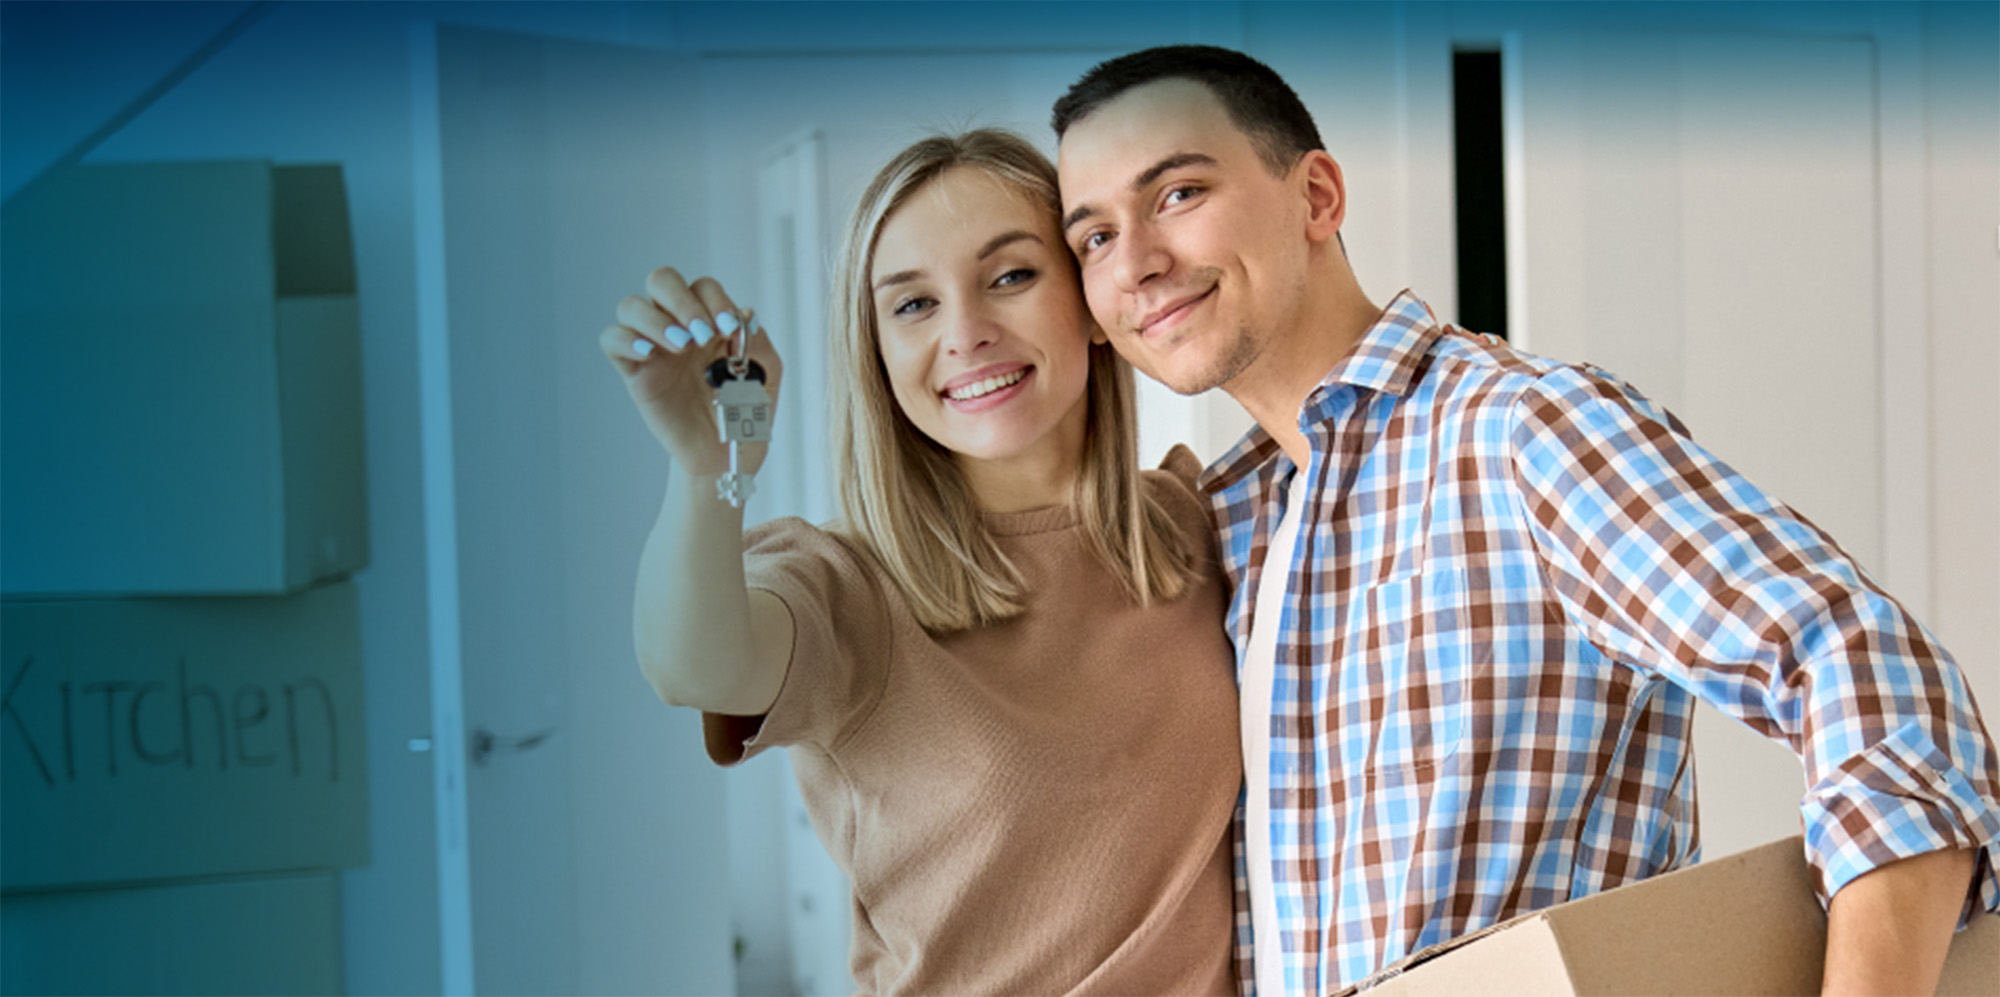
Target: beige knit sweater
[[1037, 807]]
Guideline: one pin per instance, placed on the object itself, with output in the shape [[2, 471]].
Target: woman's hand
[[663, 344], [703, 639]]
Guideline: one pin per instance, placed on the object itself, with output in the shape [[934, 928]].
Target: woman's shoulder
[[792, 538], [1173, 485], [1174, 481]]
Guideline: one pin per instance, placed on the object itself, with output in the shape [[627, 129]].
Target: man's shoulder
[[1487, 369], [1489, 357]]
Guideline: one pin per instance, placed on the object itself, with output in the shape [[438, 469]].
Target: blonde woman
[[1003, 674]]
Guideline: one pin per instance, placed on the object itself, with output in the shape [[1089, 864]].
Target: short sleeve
[[841, 642]]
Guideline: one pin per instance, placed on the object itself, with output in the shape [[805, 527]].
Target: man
[[1477, 591]]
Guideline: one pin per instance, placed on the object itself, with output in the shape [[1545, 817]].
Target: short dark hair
[[1256, 98]]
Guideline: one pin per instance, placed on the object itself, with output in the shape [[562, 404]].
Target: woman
[[1003, 675]]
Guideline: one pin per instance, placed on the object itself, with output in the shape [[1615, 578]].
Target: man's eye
[[1093, 241], [1018, 275], [1182, 193]]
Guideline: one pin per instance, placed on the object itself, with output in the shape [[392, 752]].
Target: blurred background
[[321, 508]]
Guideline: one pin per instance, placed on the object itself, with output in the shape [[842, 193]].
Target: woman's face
[[983, 327]]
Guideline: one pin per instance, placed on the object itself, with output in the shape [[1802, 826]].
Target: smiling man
[[1477, 592]]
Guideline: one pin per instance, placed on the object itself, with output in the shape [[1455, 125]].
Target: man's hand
[[1887, 930]]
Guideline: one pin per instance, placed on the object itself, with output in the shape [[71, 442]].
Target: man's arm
[[1677, 564], [1887, 930]]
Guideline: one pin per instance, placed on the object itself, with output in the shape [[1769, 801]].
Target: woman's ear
[[1098, 337]]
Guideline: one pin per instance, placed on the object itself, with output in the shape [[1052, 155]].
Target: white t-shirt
[[1259, 674]]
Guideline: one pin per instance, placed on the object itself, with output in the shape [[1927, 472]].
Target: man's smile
[[1167, 316]]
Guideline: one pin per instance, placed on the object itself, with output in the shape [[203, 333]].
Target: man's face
[[1193, 253]]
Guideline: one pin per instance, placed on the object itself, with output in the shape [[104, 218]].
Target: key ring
[[739, 352]]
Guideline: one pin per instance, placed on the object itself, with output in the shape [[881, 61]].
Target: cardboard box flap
[[185, 238], [1521, 957], [312, 249], [1752, 915], [1433, 952], [1747, 923]]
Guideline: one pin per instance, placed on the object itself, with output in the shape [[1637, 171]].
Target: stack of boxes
[[182, 502]]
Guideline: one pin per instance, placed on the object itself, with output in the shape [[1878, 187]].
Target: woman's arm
[[703, 639]]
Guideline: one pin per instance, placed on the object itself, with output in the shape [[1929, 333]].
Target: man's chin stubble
[[1242, 353]]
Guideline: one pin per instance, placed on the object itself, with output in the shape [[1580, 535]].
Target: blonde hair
[[902, 494]]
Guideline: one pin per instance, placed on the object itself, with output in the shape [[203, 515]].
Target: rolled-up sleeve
[[1676, 564]]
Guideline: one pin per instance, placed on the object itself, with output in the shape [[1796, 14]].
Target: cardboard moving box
[[181, 402], [1743, 924]]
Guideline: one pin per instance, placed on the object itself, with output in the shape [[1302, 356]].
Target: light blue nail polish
[[677, 337], [702, 332], [727, 323], [642, 348]]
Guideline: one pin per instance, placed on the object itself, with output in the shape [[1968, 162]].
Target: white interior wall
[[325, 83], [1961, 77]]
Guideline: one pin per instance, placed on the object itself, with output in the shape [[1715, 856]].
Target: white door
[[594, 827]]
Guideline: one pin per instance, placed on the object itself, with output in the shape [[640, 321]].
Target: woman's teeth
[[976, 389]]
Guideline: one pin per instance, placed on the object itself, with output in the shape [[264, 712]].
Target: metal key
[[742, 414]]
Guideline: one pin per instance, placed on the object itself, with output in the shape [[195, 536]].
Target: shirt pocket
[[1408, 670]]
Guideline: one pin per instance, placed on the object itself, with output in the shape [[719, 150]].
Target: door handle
[[485, 743]]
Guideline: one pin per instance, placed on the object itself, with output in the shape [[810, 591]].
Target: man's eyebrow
[[1173, 162], [1144, 180]]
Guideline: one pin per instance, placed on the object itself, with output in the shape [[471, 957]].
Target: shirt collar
[[1385, 359], [1387, 356]]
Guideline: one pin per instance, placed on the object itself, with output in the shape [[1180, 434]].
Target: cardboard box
[[180, 406], [1743, 924], [164, 739], [266, 935]]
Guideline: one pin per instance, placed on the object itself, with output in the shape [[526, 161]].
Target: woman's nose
[[968, 331]]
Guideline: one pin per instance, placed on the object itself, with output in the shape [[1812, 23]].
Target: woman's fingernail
[[642, 348], [727, 323], [677, 337], [756, 325], [702, 333]]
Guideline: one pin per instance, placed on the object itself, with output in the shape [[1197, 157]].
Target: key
[[742, 415], [743, 412]]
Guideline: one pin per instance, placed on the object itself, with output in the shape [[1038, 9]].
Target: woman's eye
[[1018, 275], [911, 306]]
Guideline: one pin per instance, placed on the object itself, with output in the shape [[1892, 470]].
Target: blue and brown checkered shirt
[[1513, 581]]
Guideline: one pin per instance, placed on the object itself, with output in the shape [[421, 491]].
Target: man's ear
[[1326, 195]]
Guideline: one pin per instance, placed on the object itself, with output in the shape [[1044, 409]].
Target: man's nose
[[1139, 255]]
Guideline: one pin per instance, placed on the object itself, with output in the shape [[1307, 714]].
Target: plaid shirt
[[1514, 579]]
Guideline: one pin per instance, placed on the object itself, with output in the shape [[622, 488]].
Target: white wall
[[1962, 263]]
